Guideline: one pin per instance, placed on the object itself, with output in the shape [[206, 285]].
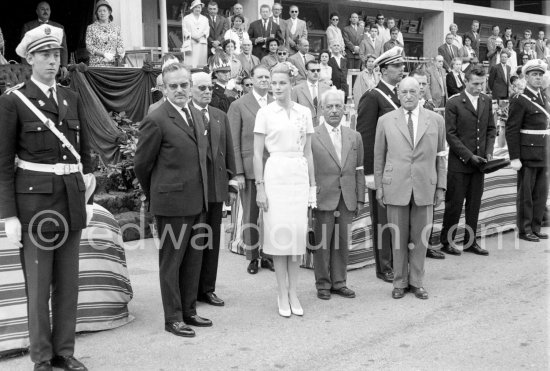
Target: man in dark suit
[[374, 104], [499, 77], [170, 164], [262, 30], [353, 36], [43, 12], [448, 51], [527, 134], [242, 115], [220, 165], [474, 36], [338, 159], [42, 199], [339, 69], [471, 135], [218, 26]]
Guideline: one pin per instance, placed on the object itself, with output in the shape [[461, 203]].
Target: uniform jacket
[[352, 38], [403, 170], [298, 60], [35, 23], [242, 117], [335, 178], [217, 30], [302, 95], [498, 83], [443, 51], [371, 107], [23, 192], [170, 163], [257, 29], [438, 86], [220, 158], [468, 133], [339, 74], [219, 99], [531, 149]]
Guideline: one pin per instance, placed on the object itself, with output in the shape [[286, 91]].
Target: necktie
[[314, 91], [451, 49], [395, 91], [205, 119], [504, 70], [214, 19], [337, 142], [276, 20], [410, 126], [189, 120], [305, 60], [52, 97]]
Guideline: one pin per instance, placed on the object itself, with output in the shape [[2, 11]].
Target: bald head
[[409, 93]]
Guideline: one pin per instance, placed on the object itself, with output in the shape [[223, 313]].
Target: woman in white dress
[[325, 76], [286, 187], [513, 60], [236, 33], [334, 34], [196, 26]]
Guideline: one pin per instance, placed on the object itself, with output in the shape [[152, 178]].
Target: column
[[163, 26]]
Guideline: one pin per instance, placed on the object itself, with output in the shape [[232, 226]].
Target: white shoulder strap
[[387, 98], [49, 124], [537, 105]]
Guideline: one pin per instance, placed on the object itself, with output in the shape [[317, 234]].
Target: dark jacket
[[217, 30], [452, 87], [220, 100], [257, 29], [64, 52], [339, 74], [443, 51], [498, 83]]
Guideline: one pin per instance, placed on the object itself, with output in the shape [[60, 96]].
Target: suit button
[[31, 188], [60, 123], [220, 168], [64, 157], [39, 129]]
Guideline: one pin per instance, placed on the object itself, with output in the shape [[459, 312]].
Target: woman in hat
[[196, 26], [270, 60], [103, 39], [236, 33]]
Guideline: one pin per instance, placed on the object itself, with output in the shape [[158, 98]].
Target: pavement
[[488, 313]]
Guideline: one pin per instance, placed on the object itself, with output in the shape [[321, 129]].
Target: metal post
[[163, 27]]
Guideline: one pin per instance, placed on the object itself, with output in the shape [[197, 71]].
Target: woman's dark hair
[[334, 15], [227, 42], [237, 16], [110, 13], [270, 40], [466, 37], [323, 52], [477, 71]]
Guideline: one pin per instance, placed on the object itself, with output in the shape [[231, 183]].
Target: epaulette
[[18, 86], [452, 96]]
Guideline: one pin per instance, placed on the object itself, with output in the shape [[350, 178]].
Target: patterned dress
[[103, 38]]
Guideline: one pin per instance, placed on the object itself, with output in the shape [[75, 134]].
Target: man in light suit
[[263, 29], [242, 116], [437, 82], [296, 29], [218, 26], [410, 179], [353, 36], [247, 59], [309, 92], [448, 51], [338, 159], [371, 45], [170, 165], [540, 45], [300, 59], [499, 77], [277, 9], [220, 164]]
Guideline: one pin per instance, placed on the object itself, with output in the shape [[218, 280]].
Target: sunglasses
[[294, 11], [314, 70], [281, 53], [204, 87], [183, 85], [380, 19], [335, 19], [249, 85]]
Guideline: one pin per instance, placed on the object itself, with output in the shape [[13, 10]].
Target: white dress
[[286, 177], [197, 28]]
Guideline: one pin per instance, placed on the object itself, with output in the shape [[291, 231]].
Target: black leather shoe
[[197, 321], [68, 363], [541, 235], [253, 267], [179, 329], [398, 293], [386, 276], [323, 294], [448, 249], [343, 291], [531, 237], [434, 254], [43, 366], [476, 249], [268, 264], [212, 299], [419, 292]]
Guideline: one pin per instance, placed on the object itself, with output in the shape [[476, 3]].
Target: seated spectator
[[366, 80], [282, 58], [325, 77], [457, 40], [196, 27], [448, 51], [393, 42], [270, 59], [467, 52], [523, 58], [455, 78], [282, 54], [300, 59], [236, 33], [528, 51], [513, 60], [339, 69], [103, 39], [334, 34], [371, 45], [247, 59], [474, 36]]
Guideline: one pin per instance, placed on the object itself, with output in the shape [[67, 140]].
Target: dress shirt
[[504, 69], [45, 88], [414, 116], [180, 111], [313, 90], [294, 25], [336, 138], [473, 99], [451, 50], [276, 20], [201, 108], [262, 101], [338, 59]]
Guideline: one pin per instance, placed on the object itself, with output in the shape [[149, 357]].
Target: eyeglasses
[[314, 70], [294, 11], [204, 87], [335, 19], [380, 19], [249, 85], [183, 85], [281, 53]]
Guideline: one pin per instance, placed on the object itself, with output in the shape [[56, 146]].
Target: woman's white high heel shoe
[[282, 312], [297, 310]]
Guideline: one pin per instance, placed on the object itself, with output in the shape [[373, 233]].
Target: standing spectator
[[507, 35], [170, 165], [325, 76], [513, 60], [494, 55], [262, 30], [540, 45], [228, 46], [248, 61], [527, 138], [525, 40], [438, 82], [410, 179], [341, 183], [277, 9], [371, 45], [220, 165], [238, 10], [339, 69], [247, 85], [474, 36], [103, 39], [455, 78], [499, 77], [296, 29], [197, 27], [471, 136], [393, 41], [448, 51], [383, 32], [270, 59], [334, 34], [300, 60], [218, 28], [367, 79], [492, 43], [242, 114], [309, 93], [236, 33], [391, 24], [43, 11], [353, 35]]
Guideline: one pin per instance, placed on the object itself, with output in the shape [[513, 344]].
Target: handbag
[[186, 45], [311, 243]]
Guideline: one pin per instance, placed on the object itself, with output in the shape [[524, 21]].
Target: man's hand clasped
[[13, 230]]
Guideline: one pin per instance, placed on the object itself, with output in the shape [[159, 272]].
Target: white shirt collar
[[330, 127], [472, 98], [532, 91], [258, 96], [180, 110], [414, 115], [45, 88], [199, 107]]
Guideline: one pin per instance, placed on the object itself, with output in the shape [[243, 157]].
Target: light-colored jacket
[[302, 95]]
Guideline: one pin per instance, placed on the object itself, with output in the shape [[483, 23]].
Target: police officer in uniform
[[42, 197], [527, 134], [221, 71]]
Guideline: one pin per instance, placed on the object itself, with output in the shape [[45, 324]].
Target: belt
[[535, 132], [286, 154], [58, 169]]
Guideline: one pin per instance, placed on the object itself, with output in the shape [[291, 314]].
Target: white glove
[[109, 57], [515, 164], [13, 230], [312, 200]]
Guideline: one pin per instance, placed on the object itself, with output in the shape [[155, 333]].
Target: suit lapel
[[179, 122], [324, 138], [215, 128], [307, 93], [422, 125], [467, 103], [252, 104], [346, 144], [401, 123]]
